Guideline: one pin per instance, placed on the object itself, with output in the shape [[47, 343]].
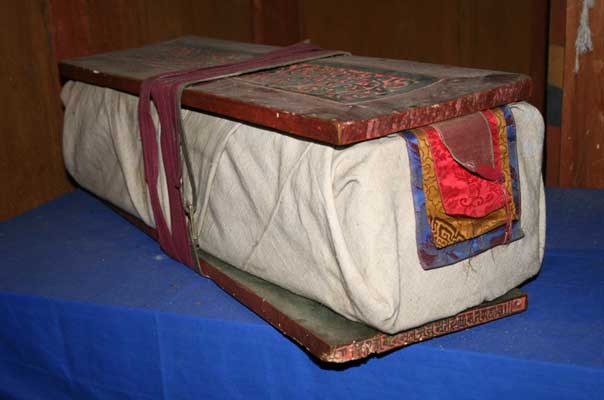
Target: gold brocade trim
[[447, 229]]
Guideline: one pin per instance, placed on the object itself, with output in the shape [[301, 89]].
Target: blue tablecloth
[[91, 308]]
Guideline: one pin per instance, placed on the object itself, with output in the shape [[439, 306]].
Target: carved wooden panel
[[338, 100]]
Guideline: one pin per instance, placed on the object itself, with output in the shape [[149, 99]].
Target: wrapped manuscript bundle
[[394, 193]]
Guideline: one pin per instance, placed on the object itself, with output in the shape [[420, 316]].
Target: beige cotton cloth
[[333, 224]]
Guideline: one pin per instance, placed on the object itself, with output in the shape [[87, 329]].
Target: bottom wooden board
[[325, 334], [331, 337]]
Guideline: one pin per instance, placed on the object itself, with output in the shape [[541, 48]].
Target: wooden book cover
[[337, 100]]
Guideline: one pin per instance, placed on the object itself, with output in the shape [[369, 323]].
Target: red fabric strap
[[165, 92]]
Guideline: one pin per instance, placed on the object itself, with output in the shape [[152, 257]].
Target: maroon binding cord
[[165, 91]]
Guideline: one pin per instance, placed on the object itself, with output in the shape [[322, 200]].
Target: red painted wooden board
[[339, 100]]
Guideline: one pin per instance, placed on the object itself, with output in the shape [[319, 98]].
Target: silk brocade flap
[[465, 186]]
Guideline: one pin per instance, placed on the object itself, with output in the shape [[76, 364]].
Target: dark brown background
[[491, 34]]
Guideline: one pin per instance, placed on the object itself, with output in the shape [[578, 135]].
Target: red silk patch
[[464, 193]]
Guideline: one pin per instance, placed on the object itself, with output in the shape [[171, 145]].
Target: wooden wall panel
[[31, 166], [82, 27], [582, 142], [508, 36], [406, 29], [276, 22], [555, 84]]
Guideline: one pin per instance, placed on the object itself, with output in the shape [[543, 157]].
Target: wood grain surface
[[364, 98], [81, 27], [555, 85], [489, 34], [31, 165], [582, 136]]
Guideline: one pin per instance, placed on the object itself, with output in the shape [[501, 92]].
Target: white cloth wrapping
[[333, 224]]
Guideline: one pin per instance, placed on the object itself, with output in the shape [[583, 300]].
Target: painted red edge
[[383, 343], [421, 116], [328, 131]]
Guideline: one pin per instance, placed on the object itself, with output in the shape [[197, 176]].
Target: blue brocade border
[[429, 255]]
